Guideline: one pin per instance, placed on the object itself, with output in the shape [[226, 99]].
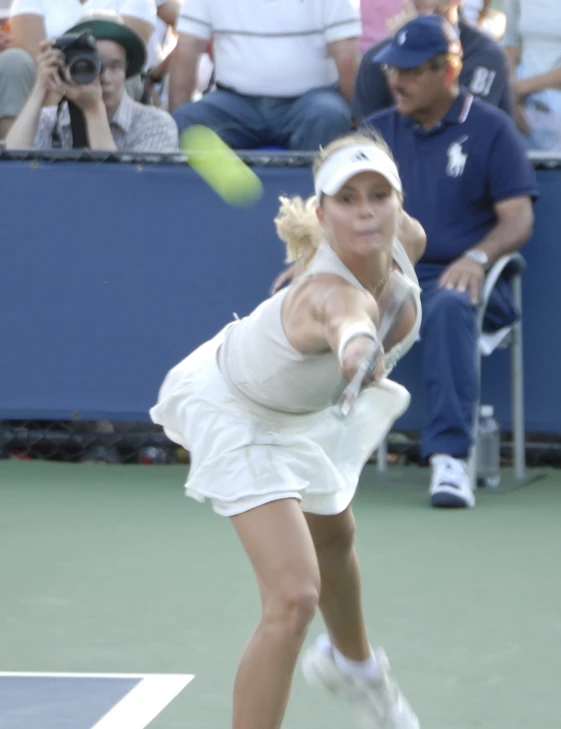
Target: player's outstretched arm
[[349, 318]]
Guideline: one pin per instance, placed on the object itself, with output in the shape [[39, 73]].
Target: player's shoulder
[[322, 292]]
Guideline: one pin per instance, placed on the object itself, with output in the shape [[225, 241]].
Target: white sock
[[364, 670]]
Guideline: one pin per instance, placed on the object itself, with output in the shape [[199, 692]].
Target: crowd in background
[[282, 75], [458, 91]]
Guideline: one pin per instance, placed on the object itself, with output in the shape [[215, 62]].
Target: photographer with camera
[[87, 69]]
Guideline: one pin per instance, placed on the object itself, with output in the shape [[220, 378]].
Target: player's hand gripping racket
[[402, 294]]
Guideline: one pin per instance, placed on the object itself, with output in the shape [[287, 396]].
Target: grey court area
[[43, 702], [111, 574], [31, 700]]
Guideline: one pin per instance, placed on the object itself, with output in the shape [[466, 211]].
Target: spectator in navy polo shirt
[[485, 69], [468, 181]]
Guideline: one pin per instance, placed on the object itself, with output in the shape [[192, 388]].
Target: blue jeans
[[248, 122], [449, 341]]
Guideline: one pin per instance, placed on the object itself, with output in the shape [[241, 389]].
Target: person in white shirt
[[284, 71], [253, 406]]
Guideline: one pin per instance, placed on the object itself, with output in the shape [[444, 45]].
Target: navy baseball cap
[[418, 41]]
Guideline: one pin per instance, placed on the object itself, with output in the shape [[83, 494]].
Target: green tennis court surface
[[111, 571]]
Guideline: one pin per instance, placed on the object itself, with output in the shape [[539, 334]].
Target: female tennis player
[[254, 408]]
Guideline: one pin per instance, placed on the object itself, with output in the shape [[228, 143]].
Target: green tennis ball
[[220, 166]]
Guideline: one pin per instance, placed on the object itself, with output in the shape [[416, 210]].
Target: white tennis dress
[[257, 416]]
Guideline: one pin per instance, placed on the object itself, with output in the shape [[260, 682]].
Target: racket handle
[[352, 390]]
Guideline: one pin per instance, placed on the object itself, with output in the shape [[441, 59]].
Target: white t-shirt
[[272, 47], [60, 15]]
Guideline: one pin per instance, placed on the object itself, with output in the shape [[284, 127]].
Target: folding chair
[[511, 336]]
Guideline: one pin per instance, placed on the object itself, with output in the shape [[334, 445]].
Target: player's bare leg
[[343, 662], [279, 545], [340, 598]]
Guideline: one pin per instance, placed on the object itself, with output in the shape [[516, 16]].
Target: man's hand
[[49, 63], [5, 40], [87, 97], [464, 275], [354, 354]]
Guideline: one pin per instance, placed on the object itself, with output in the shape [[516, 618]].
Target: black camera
[[80, 57]]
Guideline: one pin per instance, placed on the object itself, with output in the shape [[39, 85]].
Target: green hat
[[115, 30]]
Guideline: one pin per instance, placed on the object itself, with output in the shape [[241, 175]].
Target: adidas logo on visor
[[359, 157]]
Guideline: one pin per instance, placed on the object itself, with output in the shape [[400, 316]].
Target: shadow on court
[[118, 585]]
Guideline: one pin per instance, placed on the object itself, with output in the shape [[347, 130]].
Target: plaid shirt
[[134, 128]]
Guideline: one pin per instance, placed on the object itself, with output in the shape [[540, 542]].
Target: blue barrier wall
[[111, 273]]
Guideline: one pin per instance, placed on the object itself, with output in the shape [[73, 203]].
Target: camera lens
[[83, 70]]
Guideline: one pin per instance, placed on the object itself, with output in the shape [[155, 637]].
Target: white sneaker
[[450, 484], [378, 702]]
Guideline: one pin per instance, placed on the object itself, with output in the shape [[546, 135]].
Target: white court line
[[139, 706], [144, 702], [49, 674]]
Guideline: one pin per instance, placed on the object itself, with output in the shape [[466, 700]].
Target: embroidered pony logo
[[457, 158]]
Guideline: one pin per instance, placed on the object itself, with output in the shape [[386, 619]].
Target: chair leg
[[517, 385], [472, 460], [382, 455]]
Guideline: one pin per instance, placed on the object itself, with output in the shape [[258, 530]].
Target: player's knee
[[293, 606], [338, 542]]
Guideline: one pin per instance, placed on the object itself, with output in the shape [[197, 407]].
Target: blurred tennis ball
[[220, 166]]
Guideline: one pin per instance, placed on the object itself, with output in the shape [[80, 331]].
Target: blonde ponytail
[[299, 228]]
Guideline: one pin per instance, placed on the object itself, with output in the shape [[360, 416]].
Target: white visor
[[347, 162]]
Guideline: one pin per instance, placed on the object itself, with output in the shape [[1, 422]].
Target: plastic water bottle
[[152, 456], [488, 448]]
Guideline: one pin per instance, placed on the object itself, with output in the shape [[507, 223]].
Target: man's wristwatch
[[479, 256]]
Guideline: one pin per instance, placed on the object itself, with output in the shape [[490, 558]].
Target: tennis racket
[[400, 296]]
